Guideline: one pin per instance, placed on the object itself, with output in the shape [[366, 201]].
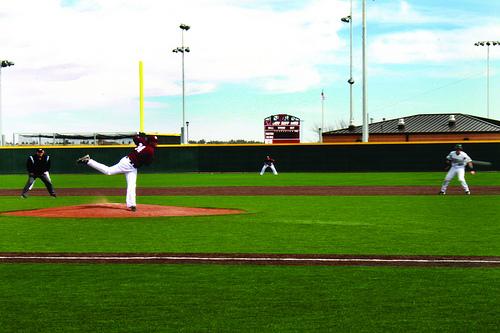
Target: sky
[[77, 63]]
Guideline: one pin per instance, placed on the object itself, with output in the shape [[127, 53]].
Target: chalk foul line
[[269, 260]]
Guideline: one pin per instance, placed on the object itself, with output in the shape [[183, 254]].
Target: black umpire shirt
[[37, 165]]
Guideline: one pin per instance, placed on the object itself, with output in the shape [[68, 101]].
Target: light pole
[[187, 131], [322, 116], [3, 63], [348, 19], [183, 50], [487, 44], [365, 112]]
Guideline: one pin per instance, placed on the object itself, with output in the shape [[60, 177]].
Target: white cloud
[[85, 57], [398, 12], [426, 35], [403, 12], [420, 46], [78, 66], [293, 81]]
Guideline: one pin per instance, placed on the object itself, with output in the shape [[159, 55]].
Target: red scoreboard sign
[[281, 128]]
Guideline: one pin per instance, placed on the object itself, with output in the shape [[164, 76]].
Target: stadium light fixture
[[346, 19], [182, 49], [3, 63], [487, 44], [6, 63]]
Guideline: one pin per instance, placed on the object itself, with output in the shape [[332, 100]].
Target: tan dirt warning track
[[264, 190]]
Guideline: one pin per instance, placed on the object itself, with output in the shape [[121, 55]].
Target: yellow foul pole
[[141, 98]]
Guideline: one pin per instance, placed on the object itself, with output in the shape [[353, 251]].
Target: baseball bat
[[482, 163]]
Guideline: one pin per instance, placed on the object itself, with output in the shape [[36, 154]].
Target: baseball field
[[307, 252]]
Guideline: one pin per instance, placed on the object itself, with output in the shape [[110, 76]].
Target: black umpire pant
[[45, 179]]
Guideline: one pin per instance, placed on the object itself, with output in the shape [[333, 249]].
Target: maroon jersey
[[268, 160], [143, 153]]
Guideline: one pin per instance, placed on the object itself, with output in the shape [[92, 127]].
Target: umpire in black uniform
[[38, 166]]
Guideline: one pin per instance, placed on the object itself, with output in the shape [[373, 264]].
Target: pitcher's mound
[[114, 210]]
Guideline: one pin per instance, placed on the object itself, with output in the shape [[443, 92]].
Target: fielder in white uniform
[[268, 163], [457, 160]]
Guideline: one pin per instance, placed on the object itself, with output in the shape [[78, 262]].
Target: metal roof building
[[422, 127]]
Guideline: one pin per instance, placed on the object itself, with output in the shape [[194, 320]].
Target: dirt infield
[[250, 259], [264, 190], [115, 210]]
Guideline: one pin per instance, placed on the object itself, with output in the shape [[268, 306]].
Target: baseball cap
[[458, 146], [40, 150]]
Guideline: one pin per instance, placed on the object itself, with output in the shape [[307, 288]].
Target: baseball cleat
[[83, 160], [53, 195], [133, 208], [24, 196], [467, 192], [441, 193]]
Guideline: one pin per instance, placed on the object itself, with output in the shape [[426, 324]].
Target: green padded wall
[[249, 158]]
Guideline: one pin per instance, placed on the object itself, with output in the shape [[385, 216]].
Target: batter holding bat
[[141, 155], [456, 161]]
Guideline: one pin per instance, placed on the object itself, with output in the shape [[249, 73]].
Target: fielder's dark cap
[[458, 146], [40, 150]]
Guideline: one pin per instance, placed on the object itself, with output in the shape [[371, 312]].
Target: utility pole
[[365, 112], [3, 63], [487, 44], [183, 50], [322, 116]]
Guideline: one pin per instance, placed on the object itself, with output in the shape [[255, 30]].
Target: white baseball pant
[[268, 166], [459, 171], [123, 166], [46, 173]]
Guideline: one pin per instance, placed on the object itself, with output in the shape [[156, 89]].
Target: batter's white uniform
[[124, 166], [458, 163]]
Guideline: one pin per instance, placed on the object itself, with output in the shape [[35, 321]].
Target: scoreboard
[[281, 128]]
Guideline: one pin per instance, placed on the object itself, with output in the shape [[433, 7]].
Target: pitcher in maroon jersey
[[142, 154]]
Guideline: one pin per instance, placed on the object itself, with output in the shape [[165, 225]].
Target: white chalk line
[[250, 259]]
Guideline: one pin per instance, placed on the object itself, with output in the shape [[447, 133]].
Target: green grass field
[[253, 179], [213, 298]]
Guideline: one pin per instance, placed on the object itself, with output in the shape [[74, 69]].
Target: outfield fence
[[249, 158]]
